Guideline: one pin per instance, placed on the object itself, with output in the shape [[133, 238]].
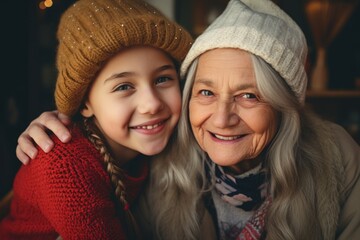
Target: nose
[[150, 102], [226, 114]]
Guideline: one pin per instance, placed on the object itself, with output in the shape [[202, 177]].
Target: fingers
[[27, 141], [53, 121], [64, 119], [37, 133], [23, 156]]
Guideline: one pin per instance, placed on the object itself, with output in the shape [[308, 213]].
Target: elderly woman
[[274, 169], [268, 167]]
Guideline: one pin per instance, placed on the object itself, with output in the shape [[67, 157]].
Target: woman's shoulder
[[349, 151], [349, 218], [347, 145]]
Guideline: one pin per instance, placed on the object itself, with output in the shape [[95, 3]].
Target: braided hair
[[116, 174]]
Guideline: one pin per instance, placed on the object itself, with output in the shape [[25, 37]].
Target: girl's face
[[229, 120], [136, 101]]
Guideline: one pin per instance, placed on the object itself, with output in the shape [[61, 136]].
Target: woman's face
[[136, 101], [230, 121]]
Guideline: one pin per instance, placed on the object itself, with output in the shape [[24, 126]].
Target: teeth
[[226, 138], [149, 127]]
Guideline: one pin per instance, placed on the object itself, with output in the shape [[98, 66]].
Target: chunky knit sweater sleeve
[[65, 192], [348, 226]]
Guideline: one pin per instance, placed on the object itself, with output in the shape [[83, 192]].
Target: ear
[[87, 111]]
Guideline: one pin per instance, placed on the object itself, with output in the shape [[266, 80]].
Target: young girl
[[118, 79]]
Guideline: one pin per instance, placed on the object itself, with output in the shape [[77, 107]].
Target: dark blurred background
[[28, 64]]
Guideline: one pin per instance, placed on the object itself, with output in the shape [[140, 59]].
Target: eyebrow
[[211, 84], [128, 74], [118, 75]]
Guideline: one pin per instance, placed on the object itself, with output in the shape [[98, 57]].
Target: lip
[[151, 127], [225, 138]]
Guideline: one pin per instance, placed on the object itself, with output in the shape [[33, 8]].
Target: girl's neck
[[132, 167]]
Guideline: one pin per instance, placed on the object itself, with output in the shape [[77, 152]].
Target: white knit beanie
[[262, 28]]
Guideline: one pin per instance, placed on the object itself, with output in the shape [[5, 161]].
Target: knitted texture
[[262, 28], [92, 31], [67, 192]]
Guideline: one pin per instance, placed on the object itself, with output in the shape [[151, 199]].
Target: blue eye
[[123, 87], [162, 80], [249, 96], [206, 93]]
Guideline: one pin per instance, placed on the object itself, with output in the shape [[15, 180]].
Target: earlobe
[[86, 111]]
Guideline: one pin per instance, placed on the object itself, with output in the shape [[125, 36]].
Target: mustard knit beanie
[[92, 31], [261, 28]]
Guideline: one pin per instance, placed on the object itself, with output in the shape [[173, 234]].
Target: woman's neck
[[245, 165]]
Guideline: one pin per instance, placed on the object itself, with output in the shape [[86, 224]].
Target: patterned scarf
[[241, 202], [255, 227], [246, 191]]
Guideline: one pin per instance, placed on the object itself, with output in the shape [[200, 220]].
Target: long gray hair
[[303, 185]]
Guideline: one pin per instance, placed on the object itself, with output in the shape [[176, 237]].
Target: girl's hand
[[37, 133]]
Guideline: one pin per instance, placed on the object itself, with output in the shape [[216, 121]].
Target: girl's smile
[[136, 101]]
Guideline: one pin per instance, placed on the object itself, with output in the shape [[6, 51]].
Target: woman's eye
[[249, 96], [246, 96], [123, 87], [206, 93]]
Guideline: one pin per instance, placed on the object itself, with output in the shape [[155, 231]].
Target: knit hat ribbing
[[92, 31], [262, 28]]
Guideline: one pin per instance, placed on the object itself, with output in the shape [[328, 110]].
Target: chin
[[152, 151], [224, 163]]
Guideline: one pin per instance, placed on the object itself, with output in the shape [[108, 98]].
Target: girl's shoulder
[[77, 156], [76, 164], [77, 147]]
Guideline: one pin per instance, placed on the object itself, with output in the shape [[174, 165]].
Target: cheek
[[114, 124], [112, 112], [97, 99], [175, 103], [197, 116], [194, 114], [172, 99], [264, 124], [112, 117]]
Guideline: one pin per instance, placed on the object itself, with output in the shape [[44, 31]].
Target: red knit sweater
[[67, 192]]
